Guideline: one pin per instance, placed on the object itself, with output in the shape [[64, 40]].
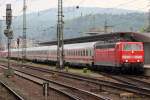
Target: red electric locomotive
[[124, 56]]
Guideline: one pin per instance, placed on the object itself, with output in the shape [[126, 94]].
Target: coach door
[[117, 55]]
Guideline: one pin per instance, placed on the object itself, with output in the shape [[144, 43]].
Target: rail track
[[72, 92], [134, 81], [11, 91], [120, 86], [137, 81], [131, 87]]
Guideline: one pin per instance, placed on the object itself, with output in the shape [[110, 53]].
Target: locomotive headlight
[[138, 60], [126, 60]]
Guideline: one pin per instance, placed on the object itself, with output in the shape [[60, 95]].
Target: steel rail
[[100, 97], [132, 81], [121, 86], [20, 74], [17, 96], [126, 87]]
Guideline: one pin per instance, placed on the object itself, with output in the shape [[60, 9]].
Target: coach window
[[70, 52], [51, 52], [79, 53], [67, 52], [90, 52], [86, 52], [73, 52], [83, 52], [76, 52]]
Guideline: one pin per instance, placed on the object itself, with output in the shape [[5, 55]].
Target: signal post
[[9, 34]]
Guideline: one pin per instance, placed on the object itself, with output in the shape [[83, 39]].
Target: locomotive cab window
[[132, 47]]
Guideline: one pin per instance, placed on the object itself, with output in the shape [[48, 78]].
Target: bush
[[85, 70]]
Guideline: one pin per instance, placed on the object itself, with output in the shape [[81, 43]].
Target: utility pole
[[106, 26], [60, 36], [24, 41], [18, 42], [1, 44], [147, 29]]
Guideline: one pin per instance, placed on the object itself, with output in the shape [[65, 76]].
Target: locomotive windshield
[[132, 47]]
